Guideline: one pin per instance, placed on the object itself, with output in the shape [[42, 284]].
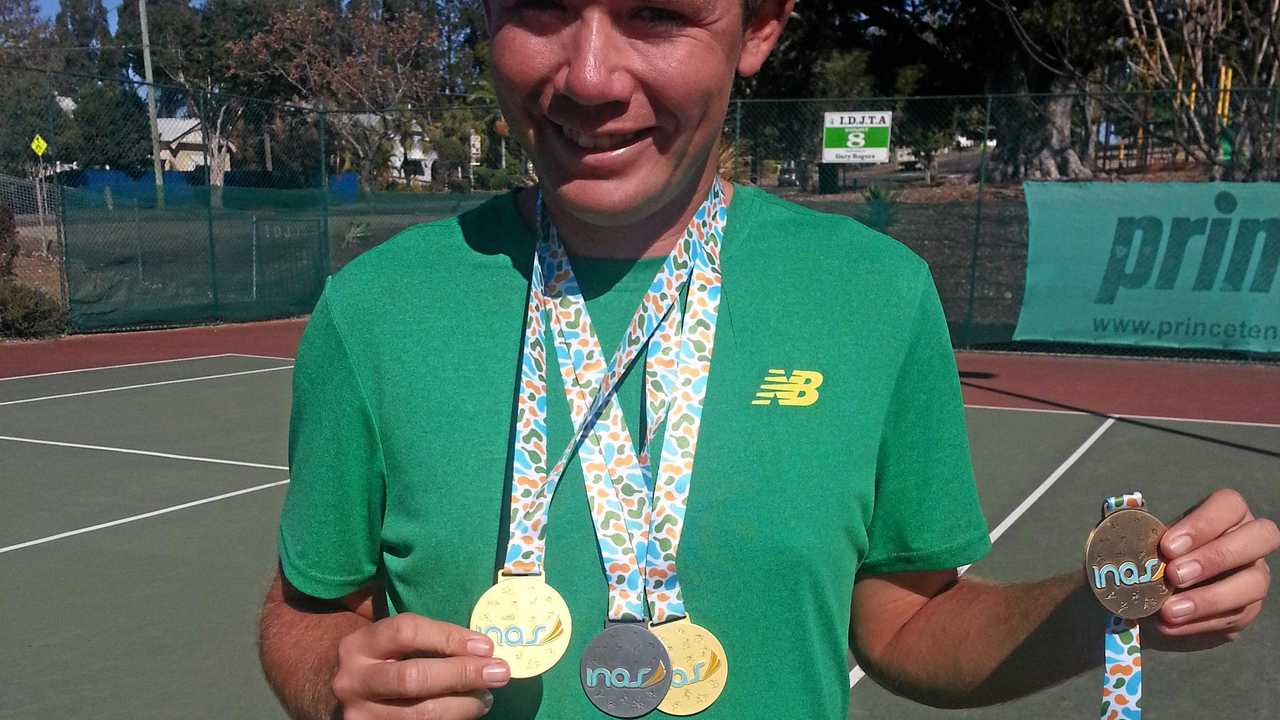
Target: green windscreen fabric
[[1186, 265], [235, 254]]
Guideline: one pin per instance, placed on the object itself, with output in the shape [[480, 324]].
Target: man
[[402, 431]]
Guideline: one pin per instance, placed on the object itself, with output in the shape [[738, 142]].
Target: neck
[[651, 236]]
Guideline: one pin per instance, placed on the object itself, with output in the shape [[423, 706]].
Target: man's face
[[619, 101]]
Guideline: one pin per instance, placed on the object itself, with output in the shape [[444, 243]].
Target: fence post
[[202, 102], [977, 229], [60, 216], [1275, 133], [137, 239], [324, 200]]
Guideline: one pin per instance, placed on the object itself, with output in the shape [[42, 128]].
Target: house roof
[[173, 129]]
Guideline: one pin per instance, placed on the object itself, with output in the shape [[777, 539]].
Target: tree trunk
[[1059, 158], [365, 171]]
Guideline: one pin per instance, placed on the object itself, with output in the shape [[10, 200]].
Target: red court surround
[[1203, 390]]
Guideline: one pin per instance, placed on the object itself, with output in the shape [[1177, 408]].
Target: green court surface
[[140, 504]]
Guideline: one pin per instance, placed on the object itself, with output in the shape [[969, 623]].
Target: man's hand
[[1217, 566], [409, 666]]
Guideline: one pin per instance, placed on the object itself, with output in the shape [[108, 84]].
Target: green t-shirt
[[400, 442]]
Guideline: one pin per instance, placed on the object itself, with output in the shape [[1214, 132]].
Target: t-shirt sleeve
[[925, 514], [331, 524]]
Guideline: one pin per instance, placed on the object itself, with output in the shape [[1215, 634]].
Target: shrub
[[458, 185], [8, 241], [881, 210], [483, 178], [27, 312]]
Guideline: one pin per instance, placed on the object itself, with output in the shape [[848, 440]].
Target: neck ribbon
[[638, 536], [1122, 647]]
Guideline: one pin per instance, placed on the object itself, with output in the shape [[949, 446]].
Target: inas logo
[[645, 677], [681, 677], [1132, 262], [1127, 573], [518, 636]]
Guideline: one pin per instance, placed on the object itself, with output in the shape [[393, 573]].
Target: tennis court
[[142, 476]]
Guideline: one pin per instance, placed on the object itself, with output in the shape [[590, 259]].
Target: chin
[[610, 201]]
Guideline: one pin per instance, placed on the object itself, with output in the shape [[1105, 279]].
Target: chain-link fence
[[952, 184], [255, 202]]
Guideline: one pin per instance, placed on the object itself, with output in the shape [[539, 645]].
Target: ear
[[761, 34]]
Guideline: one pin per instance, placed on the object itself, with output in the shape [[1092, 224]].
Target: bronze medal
[[527, 621], [1122, 563], [699, 669]]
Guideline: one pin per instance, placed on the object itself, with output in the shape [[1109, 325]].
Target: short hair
[[749, 8]]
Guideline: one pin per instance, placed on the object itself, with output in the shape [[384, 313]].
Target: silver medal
[[625, 670]]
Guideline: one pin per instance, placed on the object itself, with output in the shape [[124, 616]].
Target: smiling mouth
[[601, 142]]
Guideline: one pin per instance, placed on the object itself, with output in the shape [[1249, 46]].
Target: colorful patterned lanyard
[[675, 383], [1125, 573], [532, 486]]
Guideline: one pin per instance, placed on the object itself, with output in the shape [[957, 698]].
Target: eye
[[659, 16]]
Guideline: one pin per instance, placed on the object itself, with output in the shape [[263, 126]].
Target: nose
[[595, 72]]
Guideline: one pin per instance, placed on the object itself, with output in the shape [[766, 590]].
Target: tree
[[374, 69], [109, 129], [844, 75], [20, 27], [190, 54], [80, 29], [1201, 49]]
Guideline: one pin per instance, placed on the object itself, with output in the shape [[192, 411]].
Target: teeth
[[599, 141]]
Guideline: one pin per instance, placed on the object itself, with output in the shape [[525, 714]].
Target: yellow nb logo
[[799, 389]]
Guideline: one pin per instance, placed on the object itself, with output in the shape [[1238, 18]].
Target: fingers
[[1225, 626], [1226, 597], [410, 634], [462, 706], [427, 678], [1254, 539], [1218, 513]]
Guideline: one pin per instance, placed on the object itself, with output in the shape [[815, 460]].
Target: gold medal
[[699, 668], [527, 621], [1122, 563]]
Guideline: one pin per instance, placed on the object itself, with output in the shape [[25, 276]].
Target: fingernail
[[1187, 572], [479, 646], [1181, 608], [1180, 544], [486, 697], [495, 673]]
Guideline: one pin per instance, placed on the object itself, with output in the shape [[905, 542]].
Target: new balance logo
[[799, 389]]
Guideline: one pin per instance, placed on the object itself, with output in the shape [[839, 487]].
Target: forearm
[[979, 642], [298, 646]]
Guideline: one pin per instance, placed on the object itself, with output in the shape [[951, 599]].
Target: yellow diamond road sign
[[39, 145]]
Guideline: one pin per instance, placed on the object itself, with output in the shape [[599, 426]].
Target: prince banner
[[1188, 265]]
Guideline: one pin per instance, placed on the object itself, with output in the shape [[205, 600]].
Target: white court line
[[262, 357], [1247, 423], [149, 453], [143, 385], [143, 516], [125, 365], [857, 674]]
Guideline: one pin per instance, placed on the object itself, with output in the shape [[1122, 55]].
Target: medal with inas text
[[649, 655], [1123, 568], [526, 619]]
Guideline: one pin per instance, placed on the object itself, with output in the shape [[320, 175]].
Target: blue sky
[[49, 8]]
